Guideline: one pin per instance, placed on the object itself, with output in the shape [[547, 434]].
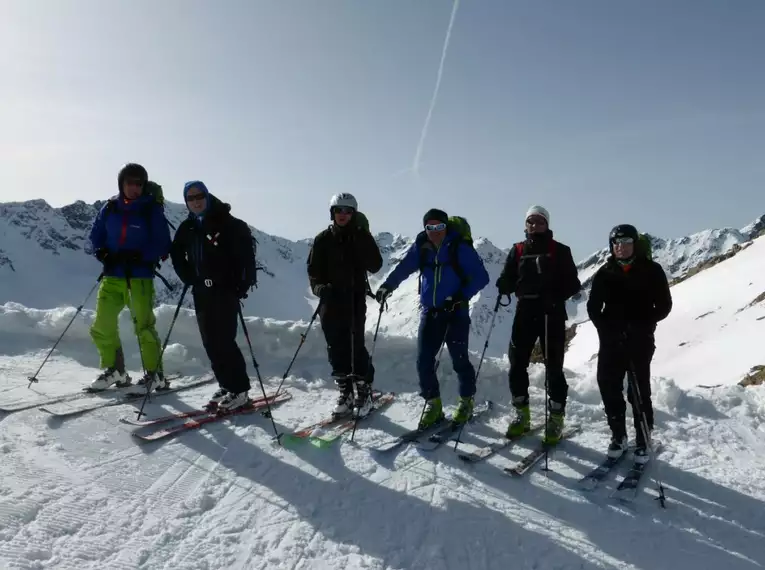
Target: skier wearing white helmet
[[338, 263], [542, 274]]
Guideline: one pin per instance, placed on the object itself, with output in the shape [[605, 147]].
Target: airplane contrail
[[418, 153]]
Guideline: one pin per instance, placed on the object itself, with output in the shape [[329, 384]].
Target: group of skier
[[213, 253], [630, 294]]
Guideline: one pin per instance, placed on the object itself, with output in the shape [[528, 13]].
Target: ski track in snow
[[80, 492]]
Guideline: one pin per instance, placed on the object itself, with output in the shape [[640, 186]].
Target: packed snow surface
[[80, 492]]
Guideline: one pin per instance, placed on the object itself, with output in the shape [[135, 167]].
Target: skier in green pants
[[129, 236]]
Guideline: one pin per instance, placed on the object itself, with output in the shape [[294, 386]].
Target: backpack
[[643, 247], [462, 227], [519, 251]]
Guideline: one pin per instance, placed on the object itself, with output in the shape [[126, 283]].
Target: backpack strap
[[519, 251]]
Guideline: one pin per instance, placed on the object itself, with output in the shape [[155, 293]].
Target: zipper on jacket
[[436, 274]]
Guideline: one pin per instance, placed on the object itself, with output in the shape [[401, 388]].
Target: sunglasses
[[195, 197], [623, 241], [536, 221], [343, 210], [435, 227], [134, 182]]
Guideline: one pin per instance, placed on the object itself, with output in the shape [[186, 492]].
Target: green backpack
[[462, 227], [361, 220], [643, 247]]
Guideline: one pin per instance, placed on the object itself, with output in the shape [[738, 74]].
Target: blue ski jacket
[[136, 226], [440, 280]]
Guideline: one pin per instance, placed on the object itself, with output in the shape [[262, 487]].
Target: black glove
[[453, 303], [241, 290], [323, 290], [502, 287], [382, 294], [103, 255]]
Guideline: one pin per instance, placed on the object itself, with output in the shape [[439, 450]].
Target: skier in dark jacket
[[338, 263], [213, 253], [629, 295], [445, 316], [542, 274]]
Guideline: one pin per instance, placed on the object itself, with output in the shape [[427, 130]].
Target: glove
[[241, 290], [323, 291], [382, 294], [452, 303], [103, 255], [502, 287]]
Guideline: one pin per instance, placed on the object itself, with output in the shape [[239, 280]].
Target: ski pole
[[302, 341], [547, 401], [135, 325], [33, 378], [164, 345], [480, 363], [371, 356], [632, 383], [267, 413]]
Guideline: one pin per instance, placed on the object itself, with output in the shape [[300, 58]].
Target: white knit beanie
[[538, 211]]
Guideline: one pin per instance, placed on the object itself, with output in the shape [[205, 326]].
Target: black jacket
[[220, 249], [341, 258], [629, 298], [545, 274]]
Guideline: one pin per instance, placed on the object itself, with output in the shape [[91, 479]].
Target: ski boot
[[344, 403], [216, 398], [111, 377], [433, 413], [555, 424], [617, 447], [363, 403], [522, 421], [464, 410], [233, 401], [152, 381]]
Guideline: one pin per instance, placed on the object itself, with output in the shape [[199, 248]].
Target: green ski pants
[[113, 296]]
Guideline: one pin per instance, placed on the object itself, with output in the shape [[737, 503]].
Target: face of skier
[[536, 224], [342, 215], [624, 247], [196, 200], [132, 188], [436, 231]]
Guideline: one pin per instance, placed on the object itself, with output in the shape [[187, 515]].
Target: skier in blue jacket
[[445, 316], [129, 236]]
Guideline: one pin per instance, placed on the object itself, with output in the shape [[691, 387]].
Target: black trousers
[[614, 361], [343, 325], [218, 319], [528, 326]]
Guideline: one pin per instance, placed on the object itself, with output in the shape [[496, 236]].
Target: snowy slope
[[44, 264], [81, 493]]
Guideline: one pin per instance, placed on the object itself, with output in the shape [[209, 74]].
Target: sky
[[650, 112]]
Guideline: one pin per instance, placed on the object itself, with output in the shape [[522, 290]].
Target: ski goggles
[[435, 227], [195, 197], [623, 241], [133, 181], [342, 210]]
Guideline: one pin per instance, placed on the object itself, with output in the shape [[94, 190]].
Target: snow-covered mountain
[[44, 263]]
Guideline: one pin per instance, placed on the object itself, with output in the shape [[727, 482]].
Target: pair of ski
[[629, 485], [196, 418], [432, 437], [325, 432], [529, 460]]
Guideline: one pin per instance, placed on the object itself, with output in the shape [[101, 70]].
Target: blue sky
[[649, 112]]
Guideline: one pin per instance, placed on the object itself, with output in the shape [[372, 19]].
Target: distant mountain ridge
[[45, 263]]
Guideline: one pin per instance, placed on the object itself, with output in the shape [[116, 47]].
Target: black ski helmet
[[622, 231], [132, 170]]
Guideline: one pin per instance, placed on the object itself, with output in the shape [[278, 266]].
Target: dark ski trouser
[[218, 319], [613, 364], [435, 327], [343, 325], [528, 326]]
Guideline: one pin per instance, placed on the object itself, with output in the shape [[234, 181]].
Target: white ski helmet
[[344, 199]]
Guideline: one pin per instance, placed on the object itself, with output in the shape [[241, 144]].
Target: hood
[[214, 206]]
